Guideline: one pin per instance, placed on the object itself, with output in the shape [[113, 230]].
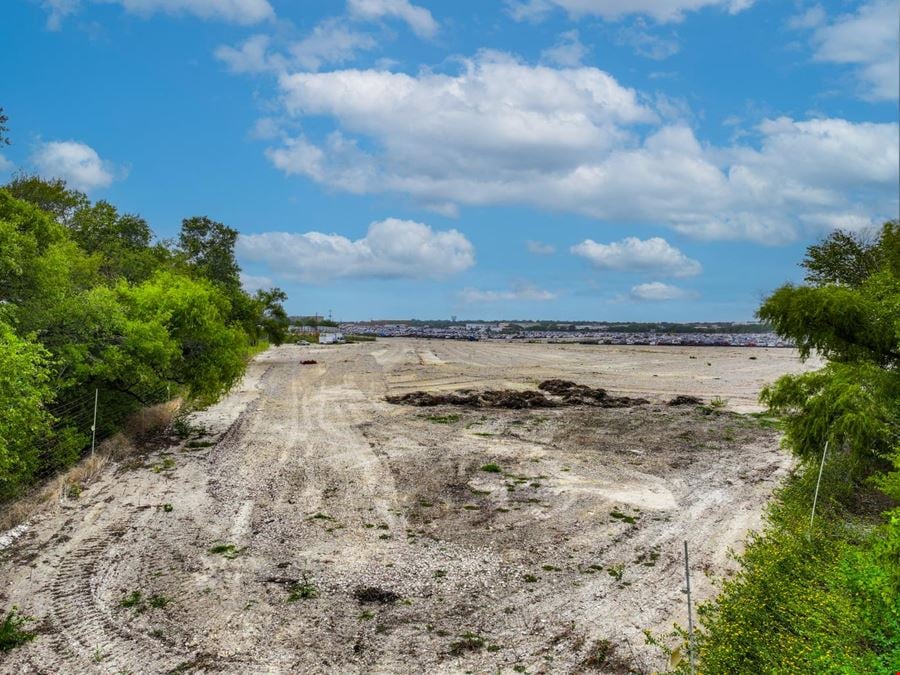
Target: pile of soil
[[491, 398], [563, 393], [683, 399], [581, 394]]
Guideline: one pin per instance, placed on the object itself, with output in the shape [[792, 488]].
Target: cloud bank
[[573, 139], [391, 249]]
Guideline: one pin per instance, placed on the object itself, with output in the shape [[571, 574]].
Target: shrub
[[12, 630]]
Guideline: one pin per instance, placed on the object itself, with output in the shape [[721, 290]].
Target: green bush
[[825, 598], [89, 302], [12, 630]]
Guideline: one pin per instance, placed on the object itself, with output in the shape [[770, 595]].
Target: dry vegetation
[[140, 432]]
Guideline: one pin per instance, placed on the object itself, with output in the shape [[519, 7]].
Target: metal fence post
[[816, 497], [94, 425], [687, 578]]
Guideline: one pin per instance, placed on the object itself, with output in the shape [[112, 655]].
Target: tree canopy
[[815, 595], [89, 299], [850, 314]]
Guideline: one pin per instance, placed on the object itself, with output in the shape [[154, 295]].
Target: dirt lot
[[314, 527]]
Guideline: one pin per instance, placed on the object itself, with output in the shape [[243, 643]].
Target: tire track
[[87, 636]]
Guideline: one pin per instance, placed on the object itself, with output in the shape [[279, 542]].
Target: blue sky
[[581, 159]]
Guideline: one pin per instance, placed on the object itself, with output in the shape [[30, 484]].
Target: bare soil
[[312, 526]]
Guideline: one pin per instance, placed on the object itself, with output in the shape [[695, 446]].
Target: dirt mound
[[491, 398], [684, 399], [581, 394], [563, 393]]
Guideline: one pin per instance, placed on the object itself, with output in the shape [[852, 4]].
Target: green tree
[[24, 422], [851, 316], [124, 241], [39, 264], [88, 301], [208, 246], [51, 196], [845, 258], [826, 598], [200, 351], [273, 319]]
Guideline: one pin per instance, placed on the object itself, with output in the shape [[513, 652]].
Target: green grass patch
[[826, 603], [443, 419], [624, 517], [229, 551]]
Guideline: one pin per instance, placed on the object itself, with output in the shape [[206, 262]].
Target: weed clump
[[617, 571], [229, 551], [136, 601], [599, 655], [302, 590], [467, 642], [492, 468], [624, 517], [12, 630]]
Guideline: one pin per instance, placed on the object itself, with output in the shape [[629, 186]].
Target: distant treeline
[[314, 321], [91, 301], [719, 327]]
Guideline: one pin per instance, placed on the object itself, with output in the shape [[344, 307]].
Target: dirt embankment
[[311, 526]]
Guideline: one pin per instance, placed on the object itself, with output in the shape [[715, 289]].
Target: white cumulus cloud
[[520, 293], [76, 163], [657, 291], [866, 39], [419, 19], [574, 139], [611, 10], [654, 255], [244, 12], [391, 249], [6, 165]]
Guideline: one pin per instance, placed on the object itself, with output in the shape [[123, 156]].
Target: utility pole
[[687, 578], [94, 425]]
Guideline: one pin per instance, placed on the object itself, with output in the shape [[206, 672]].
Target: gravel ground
[[320, 529]]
